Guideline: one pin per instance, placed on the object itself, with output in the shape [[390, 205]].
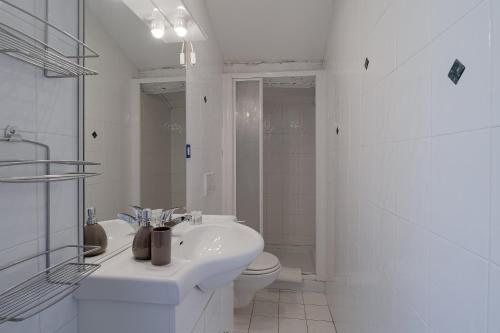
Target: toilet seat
[[261, 273], [265, 263]]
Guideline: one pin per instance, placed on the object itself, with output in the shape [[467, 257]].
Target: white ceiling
[[252, 31], [133, 37]]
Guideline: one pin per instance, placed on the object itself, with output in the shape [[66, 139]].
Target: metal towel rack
[[24, 47], [55, 282], [45, 288], [11, 135]]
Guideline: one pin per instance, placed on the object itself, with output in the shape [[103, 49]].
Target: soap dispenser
[[141, 246], [94, 234]]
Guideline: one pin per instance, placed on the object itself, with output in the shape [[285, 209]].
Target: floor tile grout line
[[303, 305], [333, 320]]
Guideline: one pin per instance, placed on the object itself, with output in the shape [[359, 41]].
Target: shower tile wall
[[414, 246], [289, 166]]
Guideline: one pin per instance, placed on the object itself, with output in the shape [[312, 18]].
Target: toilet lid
[[265, 261]]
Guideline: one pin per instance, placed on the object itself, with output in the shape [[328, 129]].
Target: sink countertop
[[199, 252]]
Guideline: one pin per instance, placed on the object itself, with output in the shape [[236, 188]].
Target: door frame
[[261, 149], [321, 114]]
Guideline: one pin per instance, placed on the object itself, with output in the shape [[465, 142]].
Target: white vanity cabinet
[[217, 317], [193, 293], [199, 312]]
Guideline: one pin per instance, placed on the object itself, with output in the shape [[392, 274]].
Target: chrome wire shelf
[[48, 178], [55, 282], [46, 288], [26, 48], [11, 135], [61, 162]]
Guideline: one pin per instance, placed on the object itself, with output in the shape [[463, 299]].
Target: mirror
[[134, 114], [163, 142]]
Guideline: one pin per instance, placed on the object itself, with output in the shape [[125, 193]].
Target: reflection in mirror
[[116, 122], [163, 142]]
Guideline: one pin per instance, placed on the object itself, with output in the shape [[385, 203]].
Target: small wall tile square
[[460, 189], [494, 299]]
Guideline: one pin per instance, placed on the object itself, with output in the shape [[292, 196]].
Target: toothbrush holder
[[161, 240]]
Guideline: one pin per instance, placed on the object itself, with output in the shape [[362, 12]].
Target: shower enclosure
[[275, 163]]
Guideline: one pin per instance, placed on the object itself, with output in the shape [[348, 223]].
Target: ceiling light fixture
[[180, 23], [157, 24], [185, 52]]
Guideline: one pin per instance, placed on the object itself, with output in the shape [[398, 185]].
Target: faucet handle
[[138, 213], [166, 215], [127, 218]]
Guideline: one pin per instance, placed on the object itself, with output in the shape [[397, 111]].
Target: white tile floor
[[285, 311], [294, 256]]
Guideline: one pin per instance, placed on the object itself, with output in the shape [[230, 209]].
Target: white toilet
[[260, 274]]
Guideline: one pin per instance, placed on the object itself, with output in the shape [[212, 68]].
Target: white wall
[[204, 120], [45, 110], [107, 112], [155, 152], [177, 149], [289, 166], [415, 169]]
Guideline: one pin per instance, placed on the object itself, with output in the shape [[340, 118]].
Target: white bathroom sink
[[206, 256], [221, 250]]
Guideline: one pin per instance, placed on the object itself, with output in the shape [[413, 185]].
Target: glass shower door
[[248, 151]]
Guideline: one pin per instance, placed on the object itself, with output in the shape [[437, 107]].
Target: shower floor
[[294, 256]]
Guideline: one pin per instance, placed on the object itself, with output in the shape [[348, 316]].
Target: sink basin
[[206, 256], [222, 250]]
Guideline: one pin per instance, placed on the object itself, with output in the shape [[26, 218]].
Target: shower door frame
[[323, 210], [261, 147]]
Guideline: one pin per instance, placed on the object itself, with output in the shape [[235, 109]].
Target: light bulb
[[180, 24], [157, 24], [180, 27]]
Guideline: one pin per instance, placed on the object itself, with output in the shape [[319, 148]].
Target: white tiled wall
[[177, 149], [414, 183], [108, 113], [204, 120], [289, 166], [45, 110]]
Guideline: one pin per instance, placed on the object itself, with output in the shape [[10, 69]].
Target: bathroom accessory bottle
[[94, 234], [141, 246]]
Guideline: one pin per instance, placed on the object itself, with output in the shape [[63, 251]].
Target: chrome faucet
[[138, 212], [167, 220]]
